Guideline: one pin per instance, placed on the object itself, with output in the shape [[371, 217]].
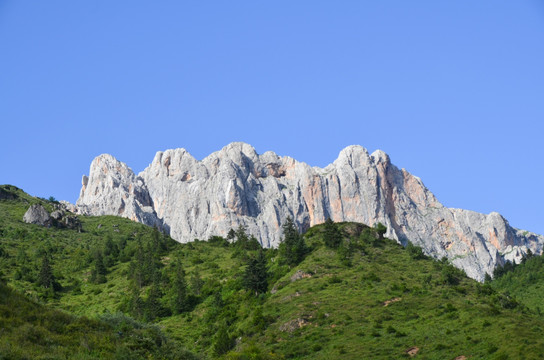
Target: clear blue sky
[[453, 91]]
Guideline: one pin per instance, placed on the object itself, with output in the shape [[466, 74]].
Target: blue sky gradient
[[452, 91]]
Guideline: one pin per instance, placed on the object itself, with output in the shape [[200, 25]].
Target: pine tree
[[179, 300], [223, 342], [45, 277], [136, 304], [144, 265], [153, 306], [110, 248], [292, 248], [137, 265], [241, 237], [231, 235], [158, 244], [99, 271], [332, 235], [256, 274], [196, 282]]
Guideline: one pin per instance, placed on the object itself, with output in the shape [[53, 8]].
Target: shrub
[[415, 252], [223, 342]]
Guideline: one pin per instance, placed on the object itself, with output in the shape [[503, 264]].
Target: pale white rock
[[68, 206], [236, 186], [36, 214], [112, 188]]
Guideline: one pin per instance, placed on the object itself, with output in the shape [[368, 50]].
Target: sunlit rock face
[[236, 186], [112, 188]]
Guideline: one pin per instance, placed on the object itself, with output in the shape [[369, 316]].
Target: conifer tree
[[256, 274], [179, 300], [153, 306], [157, 241], [196, 282], [241, 237], [136, 304], [332, 235], [45, 277], [111, 251], [231, 235], [99, 271], [292, 248], [253, 243], [223, 342]]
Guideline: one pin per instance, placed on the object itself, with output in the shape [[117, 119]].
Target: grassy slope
[[30, 330], [70, 250], [342, 313], [526, 282], [337, 312]]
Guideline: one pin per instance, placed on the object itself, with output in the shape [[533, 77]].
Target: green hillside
[[525, 281], [341, 291], [34, 331]]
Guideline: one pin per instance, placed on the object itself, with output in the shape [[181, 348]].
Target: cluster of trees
[[37, 270], [345, 246], [146, 273], [509, 266], [293, 248]]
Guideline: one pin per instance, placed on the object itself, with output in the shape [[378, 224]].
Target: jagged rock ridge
[[236, 186]]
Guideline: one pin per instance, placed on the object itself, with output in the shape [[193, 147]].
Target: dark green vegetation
[[525, 281], [339, 291], [34, 331]]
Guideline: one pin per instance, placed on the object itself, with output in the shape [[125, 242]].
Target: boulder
[[36, 214]]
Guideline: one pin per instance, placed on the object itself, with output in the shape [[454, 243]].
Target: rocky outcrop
[[60, 217], [36, 214], [113, 189], [57, 214], [236, 186]]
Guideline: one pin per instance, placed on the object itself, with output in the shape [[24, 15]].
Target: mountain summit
[[236, 186]]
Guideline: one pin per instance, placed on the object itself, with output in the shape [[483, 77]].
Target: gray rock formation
[[36, 214], [57, 214], [113, 189], [236, 186], [65, 205]]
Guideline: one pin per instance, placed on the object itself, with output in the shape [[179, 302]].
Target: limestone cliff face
[[112, 189], [236, 186]]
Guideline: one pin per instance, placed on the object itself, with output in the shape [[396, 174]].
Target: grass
[[369, 298], [31, 330]]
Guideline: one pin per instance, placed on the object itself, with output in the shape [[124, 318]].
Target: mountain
[[236, 186]]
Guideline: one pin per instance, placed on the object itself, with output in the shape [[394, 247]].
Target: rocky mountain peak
[[237, 186], [380, 157], [354, 156]]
